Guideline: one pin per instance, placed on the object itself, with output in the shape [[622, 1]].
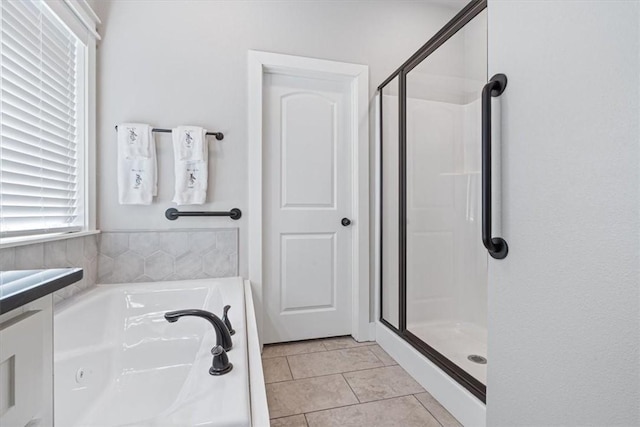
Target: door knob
[[346, 222]]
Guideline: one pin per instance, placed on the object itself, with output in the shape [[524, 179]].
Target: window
[[43, 143]]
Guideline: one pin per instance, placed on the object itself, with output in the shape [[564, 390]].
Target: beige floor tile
[[332, 362], [311, 394], [293, 421], [437, 410], [344, 342], [382, 355], [279, 350], [401, 411], [276, 369], [382, 383]]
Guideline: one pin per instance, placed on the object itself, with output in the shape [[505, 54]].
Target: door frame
[[260, 63]]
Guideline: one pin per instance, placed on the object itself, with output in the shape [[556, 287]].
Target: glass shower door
[[433, 265], [445, 263], [389, 152]]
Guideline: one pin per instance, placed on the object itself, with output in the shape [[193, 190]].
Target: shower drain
[[477, 359]]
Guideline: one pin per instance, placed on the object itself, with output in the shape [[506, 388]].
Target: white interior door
[[307, 192]]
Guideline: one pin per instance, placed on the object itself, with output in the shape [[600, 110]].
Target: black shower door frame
[[469, 12]]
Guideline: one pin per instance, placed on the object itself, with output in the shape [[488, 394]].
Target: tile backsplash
[[151, 256], [75, 252], [121, 257]]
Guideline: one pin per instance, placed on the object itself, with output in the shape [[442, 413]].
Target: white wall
[[564, 305], [177, 62]]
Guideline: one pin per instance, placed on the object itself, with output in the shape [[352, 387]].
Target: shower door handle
[[496, 246]]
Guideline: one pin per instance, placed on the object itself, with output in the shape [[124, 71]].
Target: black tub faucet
[[223, 338], [225, 319]]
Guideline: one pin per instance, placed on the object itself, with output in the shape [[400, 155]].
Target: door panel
[[307, 171], [308, 272], [308, 151]]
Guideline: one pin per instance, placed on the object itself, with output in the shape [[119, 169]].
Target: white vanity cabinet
[[26, 344], [26, 365]]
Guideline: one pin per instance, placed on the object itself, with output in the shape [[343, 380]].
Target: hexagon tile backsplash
[[152, 256]]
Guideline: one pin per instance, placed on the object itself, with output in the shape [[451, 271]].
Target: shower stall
[[435, 198]]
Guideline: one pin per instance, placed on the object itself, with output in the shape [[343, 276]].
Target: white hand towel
[[191, 173], [135, 140], [137, 174], [192, 142]]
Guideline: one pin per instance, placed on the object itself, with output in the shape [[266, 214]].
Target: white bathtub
[[118, 362]]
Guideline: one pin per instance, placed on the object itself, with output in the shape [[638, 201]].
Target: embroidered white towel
[[137, 167], [135, 140], [192, 142], [191, 164]]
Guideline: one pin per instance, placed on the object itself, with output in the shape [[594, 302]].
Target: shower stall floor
[[456, 341]]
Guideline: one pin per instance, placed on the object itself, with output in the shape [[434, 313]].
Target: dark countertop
[[20, 287]]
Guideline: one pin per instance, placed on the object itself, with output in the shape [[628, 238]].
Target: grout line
[[351, 388], [382, 365], [356, 404], [379, 367], [356, 395], [300, 341], [384, 352], [381, 361], [309, 378], [293, 415], [431, 413], [294, 354], [390, 397], [286, 358], [357, 345], [343, 372], [360, 347], [321, 341], [277, 382]]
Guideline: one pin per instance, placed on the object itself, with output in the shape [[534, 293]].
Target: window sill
[[11, 242]]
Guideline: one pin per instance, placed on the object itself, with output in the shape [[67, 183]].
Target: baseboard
[[456, 399]]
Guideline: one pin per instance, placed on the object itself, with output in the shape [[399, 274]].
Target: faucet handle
[[225, 319], [220, 364]]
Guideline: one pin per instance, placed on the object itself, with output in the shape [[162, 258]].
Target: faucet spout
[[223, 338]]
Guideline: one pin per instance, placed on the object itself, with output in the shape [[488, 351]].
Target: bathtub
[[118, 362]]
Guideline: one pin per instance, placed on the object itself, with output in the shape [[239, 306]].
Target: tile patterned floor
[[340, 382]]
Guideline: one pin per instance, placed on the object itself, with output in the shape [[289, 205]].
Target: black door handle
[[496, 246], [346, 222]]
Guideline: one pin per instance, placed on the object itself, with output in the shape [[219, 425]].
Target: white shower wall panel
[[446, 266]]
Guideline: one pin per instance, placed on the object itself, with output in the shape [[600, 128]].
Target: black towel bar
[[173, 213], [219, 135]]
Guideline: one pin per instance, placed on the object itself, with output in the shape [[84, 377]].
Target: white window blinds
[[39, 149]]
